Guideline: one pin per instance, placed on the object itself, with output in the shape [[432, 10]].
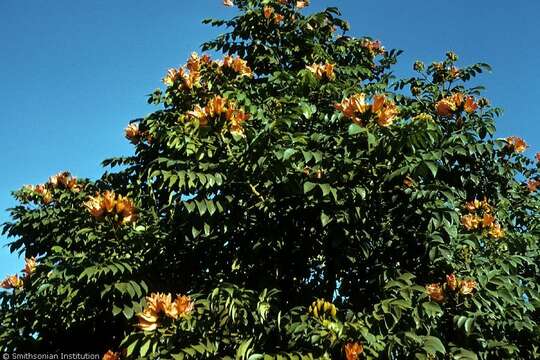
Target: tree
[[292, 200]]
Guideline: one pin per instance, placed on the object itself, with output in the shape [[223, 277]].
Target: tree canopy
[[292, 199]]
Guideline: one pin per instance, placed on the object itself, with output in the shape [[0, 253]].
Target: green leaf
[[325, 219], [144, 349], [308, 186], [433, 345], [288, 153], [432, 309], [355, 129]]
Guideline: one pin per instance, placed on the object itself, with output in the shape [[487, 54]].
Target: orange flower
[[454, 72], [488, 220], [40, 189], [110, 204], [302, 4], [182, 306], [216, 106], [12, 282], [228, 3], [278, 18], [470, 221], [47, 197], [538, 156], [94, 207], [451, 282], [533, 185], [387, 113], [126, 209], [58, 179], [132, 133], [148, 320], [408, 182], [445, 107], [29, 266], [199, 114], [156, 304], [172, 76], [160, 303], [110, 355], [322, 70], [237, 65], [485, 205], [457, 102], [268, 11], [467, 287], [435, 292], [236, 119], [473, 205], [458, 99], [353, 350], [496, 231], [516, 144], [373, 46], [72, 184], [108, 201], [64, 180], [470, 106], [191, 80], [355, 108]]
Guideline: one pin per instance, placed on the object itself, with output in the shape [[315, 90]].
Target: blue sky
[[73, 73]]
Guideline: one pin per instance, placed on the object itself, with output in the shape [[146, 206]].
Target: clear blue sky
[[73, 73]]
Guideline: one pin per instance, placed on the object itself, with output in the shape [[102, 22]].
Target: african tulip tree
[[290, 199]]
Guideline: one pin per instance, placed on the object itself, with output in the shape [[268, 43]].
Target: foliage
[[309, 203]]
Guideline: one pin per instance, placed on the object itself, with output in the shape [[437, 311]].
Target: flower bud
[[451, 56], [418, 66], [483, 102]]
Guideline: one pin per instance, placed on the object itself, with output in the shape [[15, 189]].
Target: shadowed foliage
[[291, 200]]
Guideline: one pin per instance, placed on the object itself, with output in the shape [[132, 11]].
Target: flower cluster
[[237, 65], [538, 157], [353, 350], [135, 135], [217, 107], [516, 144], [322, 71], [437, 291], [320, 308], [356, 109], [190, 78], [423, 117], [111, 355], [62, 180], [12, 282], [42, 192], [158, 304], [110, 204], [299, 4], [455, 104], [16, 282], [441, 72], [480, 216], [269, 13], [374, 47], [533, 185]]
